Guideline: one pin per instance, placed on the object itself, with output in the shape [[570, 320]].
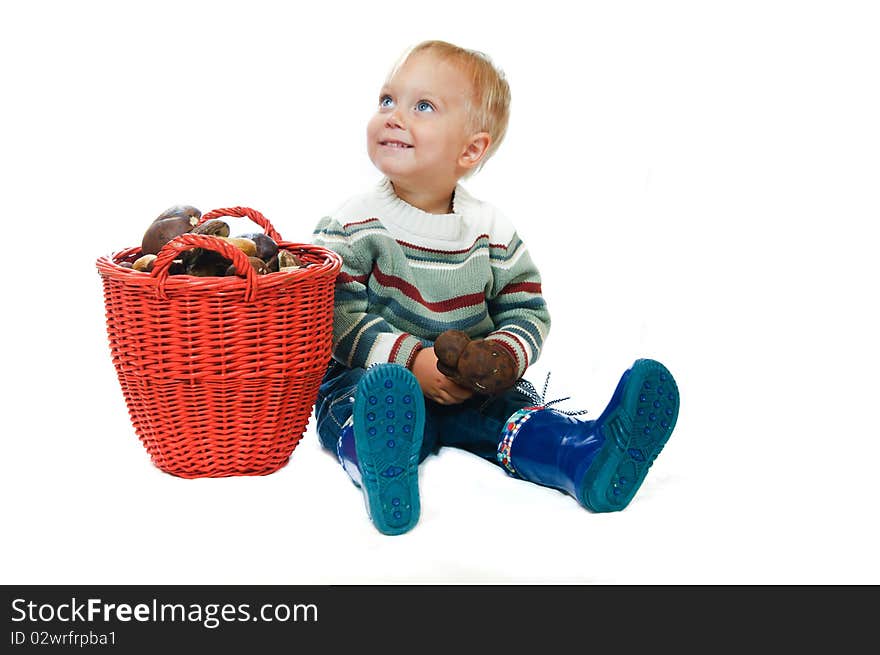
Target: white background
[[698, 181]]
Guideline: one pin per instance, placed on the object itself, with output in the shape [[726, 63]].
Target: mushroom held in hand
[[482, 365]]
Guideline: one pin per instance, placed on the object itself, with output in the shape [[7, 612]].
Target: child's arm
[[360, 338], [516, 304]]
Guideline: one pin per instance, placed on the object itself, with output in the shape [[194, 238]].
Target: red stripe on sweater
[[527, 287], [413, 294], [412, 356], [396, 347], [518, 342], [449, 252], [369, 220], [345, 278]]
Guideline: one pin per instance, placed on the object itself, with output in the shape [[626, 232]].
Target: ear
[[475, 149]]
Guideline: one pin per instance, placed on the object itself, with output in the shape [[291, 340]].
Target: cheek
[[373, 125]]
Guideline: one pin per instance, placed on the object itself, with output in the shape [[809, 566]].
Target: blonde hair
[[488, 107]]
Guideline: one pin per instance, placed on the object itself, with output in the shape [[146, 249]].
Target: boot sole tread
[[389, 416], [635, 431]]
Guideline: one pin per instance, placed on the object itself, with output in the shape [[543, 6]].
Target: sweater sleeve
[[359, 337], [516, 305]]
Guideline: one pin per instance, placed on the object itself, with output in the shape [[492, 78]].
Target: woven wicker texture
[[220, 374]]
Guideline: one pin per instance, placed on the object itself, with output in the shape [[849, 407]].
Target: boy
[[421, 256]]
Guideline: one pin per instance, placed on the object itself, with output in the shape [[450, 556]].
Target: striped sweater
[[408, 275]]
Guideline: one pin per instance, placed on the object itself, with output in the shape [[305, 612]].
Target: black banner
[[132, 619]]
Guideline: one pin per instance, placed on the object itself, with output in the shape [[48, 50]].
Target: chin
[[388, 169]]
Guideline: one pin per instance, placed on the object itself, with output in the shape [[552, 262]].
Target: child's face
[[419, 132]]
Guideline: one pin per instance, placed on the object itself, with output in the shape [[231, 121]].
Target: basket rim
[[108, 267]]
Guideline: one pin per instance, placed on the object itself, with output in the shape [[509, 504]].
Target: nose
[[394, 120]]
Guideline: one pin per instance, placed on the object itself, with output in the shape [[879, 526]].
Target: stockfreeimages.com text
[[210, 615]]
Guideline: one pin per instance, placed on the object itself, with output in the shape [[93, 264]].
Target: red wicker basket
[[220, 374]]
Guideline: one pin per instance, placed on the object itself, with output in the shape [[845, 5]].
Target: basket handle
[[244, 212], [188, 241]]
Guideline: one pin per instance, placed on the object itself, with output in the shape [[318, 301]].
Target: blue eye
[[386, 101], [424, 105]]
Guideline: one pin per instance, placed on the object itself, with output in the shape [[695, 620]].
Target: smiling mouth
[[394, 144]]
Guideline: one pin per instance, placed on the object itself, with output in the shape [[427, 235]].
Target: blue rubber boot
[[601, 463], [379, 447]]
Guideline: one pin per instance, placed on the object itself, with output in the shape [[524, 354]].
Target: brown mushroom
[[247, 246], [287, 259], [205, 263], [483, 365], [256, 263], [266, 246], [144, 263], [448, 348], [177, 211], [214, 227], [162, 231]]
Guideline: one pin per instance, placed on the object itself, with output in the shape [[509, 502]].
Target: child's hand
[[435, 385]]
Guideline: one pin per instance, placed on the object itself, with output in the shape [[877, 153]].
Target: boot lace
[[528, 389]]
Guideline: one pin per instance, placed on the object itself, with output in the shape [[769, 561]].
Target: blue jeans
[[474, 425]]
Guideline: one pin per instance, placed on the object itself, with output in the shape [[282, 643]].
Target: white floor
[[698, 186], [755, 486]]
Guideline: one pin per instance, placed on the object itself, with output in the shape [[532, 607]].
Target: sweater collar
[[420, 223]]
